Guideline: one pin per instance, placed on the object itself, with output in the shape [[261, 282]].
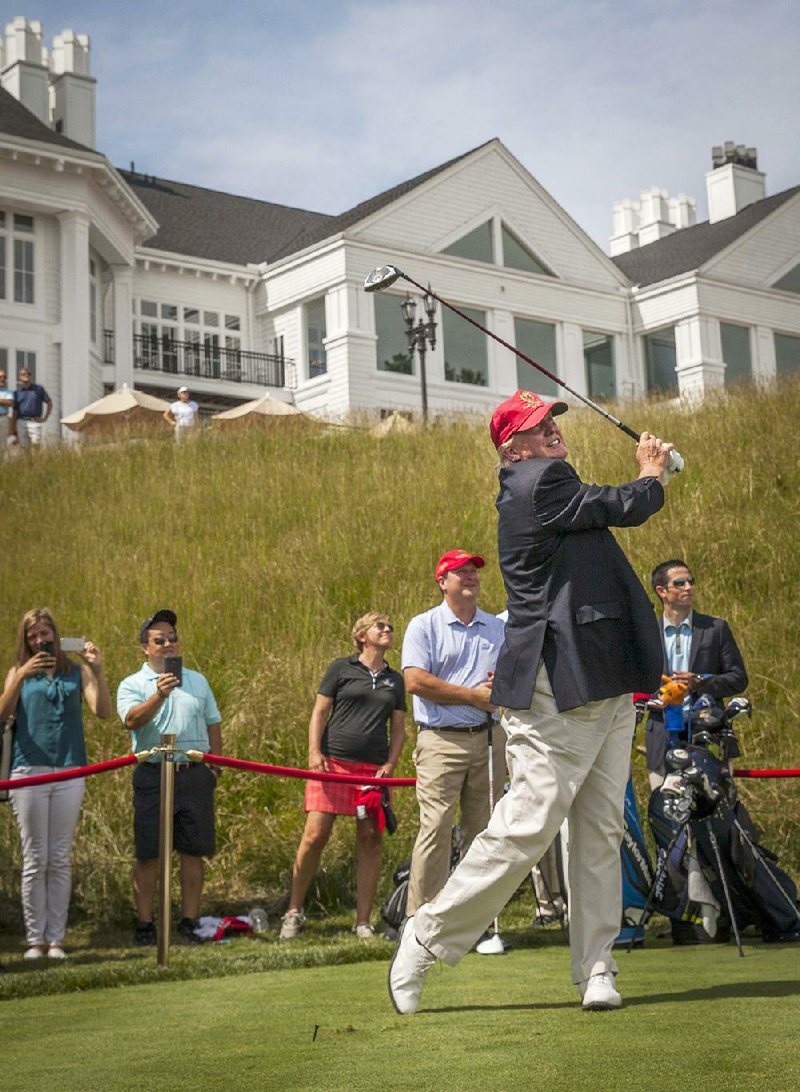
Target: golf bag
[[393, 910], [637, 874], [711, 865]]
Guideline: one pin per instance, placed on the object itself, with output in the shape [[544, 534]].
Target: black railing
[[205, 361]]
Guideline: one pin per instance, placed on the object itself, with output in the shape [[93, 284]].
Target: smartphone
[[73, 644], [49, 647], [173, 665]]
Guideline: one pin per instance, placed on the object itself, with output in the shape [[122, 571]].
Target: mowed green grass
[[700, 1019]]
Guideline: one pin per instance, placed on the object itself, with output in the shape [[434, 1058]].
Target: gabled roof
[[17, 120], [333, 225], [690, 248], [209, 224], [220, 226]]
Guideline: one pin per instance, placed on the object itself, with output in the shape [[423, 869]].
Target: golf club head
[[493, 945], [381, 277]]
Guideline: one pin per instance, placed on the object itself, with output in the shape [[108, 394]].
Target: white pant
[[29, 432], [561, 764], [47, 816]]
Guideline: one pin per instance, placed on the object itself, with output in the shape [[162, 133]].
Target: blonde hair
[[362, 624], [29, 620]]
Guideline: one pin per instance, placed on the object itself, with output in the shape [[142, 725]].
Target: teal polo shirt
[[188, 712]]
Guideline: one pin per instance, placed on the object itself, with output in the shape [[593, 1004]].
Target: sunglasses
[[682, 583], [384, 626], [165, 640]]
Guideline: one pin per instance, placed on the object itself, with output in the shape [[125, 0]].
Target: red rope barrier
[[306, 775], [69, 775], [766, 773]]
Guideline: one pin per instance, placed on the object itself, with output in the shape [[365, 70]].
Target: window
[[538, 341], [476, 245], [17, 247], [465, 356], [516, 256], [233, 322], [598, 355], [316, 333], [92, 300], [736, 352], [149, 308], [661, 361], [787, 354], [392, 350], [789, 282]]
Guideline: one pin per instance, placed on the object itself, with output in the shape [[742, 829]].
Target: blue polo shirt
[[438, 642], [187, 712], [30, 401]]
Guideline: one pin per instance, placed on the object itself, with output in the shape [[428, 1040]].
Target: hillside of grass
[[269, 544]]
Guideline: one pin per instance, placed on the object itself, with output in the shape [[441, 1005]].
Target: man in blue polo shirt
[[449, 654], [150, 703], [32, 407]]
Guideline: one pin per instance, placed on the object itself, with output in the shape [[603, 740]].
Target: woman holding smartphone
[[43, 691]]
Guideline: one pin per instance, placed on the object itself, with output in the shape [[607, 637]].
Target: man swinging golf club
[[581, 636]]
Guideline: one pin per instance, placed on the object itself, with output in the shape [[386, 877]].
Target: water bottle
[[259, 921]]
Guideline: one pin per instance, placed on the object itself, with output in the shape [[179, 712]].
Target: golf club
[[492, 945], [386, 275]]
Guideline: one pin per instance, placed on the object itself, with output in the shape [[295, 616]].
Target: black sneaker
[[145, 935], [186, 928]]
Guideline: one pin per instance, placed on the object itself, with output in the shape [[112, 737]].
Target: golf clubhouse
[[111, 277]]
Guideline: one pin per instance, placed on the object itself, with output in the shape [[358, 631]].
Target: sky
[[320, 104]]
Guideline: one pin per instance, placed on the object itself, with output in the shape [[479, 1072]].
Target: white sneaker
[[410, 964], [36, 951], [292, 924], [55, 951], [364, 931], [599, 992]]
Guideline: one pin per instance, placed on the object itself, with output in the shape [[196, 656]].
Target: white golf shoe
[[599, 992], [410, 964]]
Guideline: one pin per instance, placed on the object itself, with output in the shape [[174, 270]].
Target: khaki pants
[[562, 764], [452, 771]]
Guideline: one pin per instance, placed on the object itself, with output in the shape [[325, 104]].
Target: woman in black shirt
[[357, 727]]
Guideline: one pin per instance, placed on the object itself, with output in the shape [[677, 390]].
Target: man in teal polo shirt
[[152, 703]]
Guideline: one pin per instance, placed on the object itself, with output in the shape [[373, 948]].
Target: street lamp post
[[417, 336]]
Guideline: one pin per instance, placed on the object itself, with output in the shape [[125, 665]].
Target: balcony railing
[[186, 358]]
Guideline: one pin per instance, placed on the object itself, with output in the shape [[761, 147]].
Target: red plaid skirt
[[334, 796]]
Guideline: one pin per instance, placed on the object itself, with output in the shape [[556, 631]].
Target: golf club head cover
[[369, 802]]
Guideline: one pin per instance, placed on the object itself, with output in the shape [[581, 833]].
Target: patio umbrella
[[263, 410], [123, 407]]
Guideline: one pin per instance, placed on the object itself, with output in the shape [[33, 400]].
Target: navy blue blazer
[[573, 598], [714, 653]]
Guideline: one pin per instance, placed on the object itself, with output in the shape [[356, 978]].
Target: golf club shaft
[[539, 367]]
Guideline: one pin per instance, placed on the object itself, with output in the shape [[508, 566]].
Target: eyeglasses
[[173, 640], [384, 626], [682, 582]]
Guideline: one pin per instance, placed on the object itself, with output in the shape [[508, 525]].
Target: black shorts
[[193, 811]]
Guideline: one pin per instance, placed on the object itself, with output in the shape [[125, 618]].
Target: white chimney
[[24, 73], [734, 182], [654, 221], [626, 227], [72, 88]]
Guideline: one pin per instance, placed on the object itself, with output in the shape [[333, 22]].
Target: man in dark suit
[[581, 636], [698, 650]]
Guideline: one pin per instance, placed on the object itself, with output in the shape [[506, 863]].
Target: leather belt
[[471, 728]]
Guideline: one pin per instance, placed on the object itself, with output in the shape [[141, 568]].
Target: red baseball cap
[[456, 559], [523, 410]]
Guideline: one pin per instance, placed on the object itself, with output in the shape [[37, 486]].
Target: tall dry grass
[[269, 544]]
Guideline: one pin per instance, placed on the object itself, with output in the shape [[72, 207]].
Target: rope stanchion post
[[165, 846]]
